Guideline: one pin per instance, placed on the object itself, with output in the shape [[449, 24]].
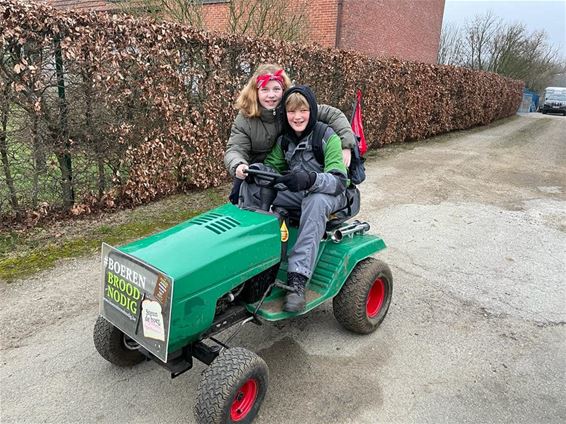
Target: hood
[[311, 99], [216, 246]]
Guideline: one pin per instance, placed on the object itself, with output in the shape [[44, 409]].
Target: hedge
[[104, 111]]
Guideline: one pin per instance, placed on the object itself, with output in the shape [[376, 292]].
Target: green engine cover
[[206, 257]]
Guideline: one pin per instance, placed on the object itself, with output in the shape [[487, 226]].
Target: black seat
[[339, 217]]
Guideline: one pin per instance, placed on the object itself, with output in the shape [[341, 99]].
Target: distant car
[[554, 100]]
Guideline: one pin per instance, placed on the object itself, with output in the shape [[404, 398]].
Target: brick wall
[[82, 5], [322, 21], [322, 29], [407, 29], [215, 17]]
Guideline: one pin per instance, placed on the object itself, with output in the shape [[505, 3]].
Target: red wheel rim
[[244, 400], [375, 298]]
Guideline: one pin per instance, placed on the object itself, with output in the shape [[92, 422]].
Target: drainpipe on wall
[[340, 7]]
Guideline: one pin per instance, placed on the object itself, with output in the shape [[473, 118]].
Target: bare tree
[[559, 79], [187, 12], [451, 45], [478, 36], [485, 43], [504, 46], [259, 18], [268, 18]]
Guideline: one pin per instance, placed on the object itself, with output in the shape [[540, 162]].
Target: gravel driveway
[[475, 224]]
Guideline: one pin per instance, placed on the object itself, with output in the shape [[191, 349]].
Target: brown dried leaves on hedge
[[159, 95]]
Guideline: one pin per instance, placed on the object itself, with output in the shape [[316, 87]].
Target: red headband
[[262, 80]]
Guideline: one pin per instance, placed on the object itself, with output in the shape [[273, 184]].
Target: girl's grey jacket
[[251, 139]]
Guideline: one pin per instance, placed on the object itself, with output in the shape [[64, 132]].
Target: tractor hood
[[163, 291], [224, 246]]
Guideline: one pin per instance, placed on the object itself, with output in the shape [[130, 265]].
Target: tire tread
[[349, 304], [108, 342], [219, 380]]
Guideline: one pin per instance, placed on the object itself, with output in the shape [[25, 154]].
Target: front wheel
[[232, 388], [115, 346], [364, 300]]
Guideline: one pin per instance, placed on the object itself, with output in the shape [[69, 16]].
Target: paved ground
[[476, 228]]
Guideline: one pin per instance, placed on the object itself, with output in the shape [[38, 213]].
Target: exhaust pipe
[[356, 227]]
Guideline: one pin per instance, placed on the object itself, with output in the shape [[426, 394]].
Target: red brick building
[[406, 29]]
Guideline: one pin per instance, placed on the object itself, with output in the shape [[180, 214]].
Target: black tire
[[364, 300], [232, 388], [115, 346]]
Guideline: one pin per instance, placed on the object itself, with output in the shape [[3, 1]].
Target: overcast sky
[[549, 15]]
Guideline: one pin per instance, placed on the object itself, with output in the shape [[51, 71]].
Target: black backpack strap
[[317, 136], [284, 144]]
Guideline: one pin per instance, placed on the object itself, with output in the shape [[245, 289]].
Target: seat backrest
[[351, 210]]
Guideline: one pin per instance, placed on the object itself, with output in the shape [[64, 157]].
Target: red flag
[[357, 125]]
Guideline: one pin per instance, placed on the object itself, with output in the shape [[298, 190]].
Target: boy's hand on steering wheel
[[297, 180]]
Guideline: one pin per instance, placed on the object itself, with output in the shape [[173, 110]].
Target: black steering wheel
[[267, 176]]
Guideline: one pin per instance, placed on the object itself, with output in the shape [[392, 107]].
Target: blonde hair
[[247, 101], [295, 101]]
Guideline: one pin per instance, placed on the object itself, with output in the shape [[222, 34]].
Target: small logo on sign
[[161, 289]]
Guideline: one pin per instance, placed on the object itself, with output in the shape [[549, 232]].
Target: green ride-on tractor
[[166, 297]]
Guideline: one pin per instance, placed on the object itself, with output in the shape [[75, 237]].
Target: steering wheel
[[267, 176]]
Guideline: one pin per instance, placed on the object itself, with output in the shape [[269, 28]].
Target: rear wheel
[[364, 299], [232, 388], [115, 346]]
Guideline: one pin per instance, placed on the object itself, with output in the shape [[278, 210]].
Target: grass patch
[[24, 254]]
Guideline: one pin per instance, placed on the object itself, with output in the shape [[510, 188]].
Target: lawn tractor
[[168, 296]]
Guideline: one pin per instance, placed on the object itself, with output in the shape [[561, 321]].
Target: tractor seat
[[339, 217]]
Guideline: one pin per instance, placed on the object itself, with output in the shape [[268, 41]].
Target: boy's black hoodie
[[311, 99]]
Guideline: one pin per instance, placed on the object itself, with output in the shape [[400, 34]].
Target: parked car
[[554, 100]]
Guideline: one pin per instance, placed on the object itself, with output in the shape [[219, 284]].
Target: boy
[[316, 189]]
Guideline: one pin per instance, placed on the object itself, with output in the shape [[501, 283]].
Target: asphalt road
[[475, 224]]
